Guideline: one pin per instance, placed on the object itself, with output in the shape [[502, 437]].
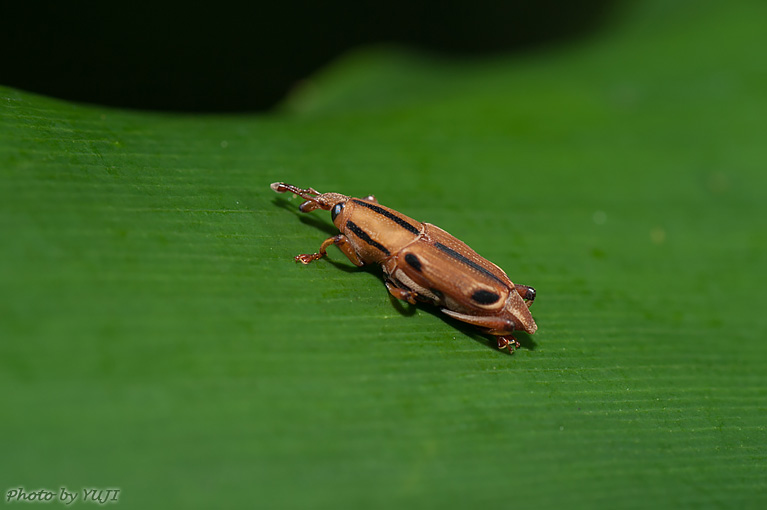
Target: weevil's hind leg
[[402, 294], [497, 326], [343, 244], [371, 198], [527, 293], [493, 325]]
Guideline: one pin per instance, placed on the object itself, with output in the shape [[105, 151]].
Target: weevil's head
[[529, 294], [314, 199], [326, 201]]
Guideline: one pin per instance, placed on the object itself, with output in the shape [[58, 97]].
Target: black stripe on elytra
[[396, 219], [468, 262], [413, 261], [365, 237]]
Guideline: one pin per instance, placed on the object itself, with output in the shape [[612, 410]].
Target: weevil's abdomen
[[376, 232], [446, 271]]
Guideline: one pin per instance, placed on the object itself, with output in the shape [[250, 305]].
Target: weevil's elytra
[[399, 220], [470, 263], [422, 262]]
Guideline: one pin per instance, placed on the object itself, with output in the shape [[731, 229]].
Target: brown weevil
[[422, 262]]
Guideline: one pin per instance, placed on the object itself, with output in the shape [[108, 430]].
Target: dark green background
[[157, 336], [240, 55]]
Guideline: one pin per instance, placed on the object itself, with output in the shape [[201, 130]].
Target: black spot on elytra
[[485, 297], [413, 261]]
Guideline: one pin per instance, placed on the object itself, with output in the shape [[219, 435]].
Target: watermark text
[[63, 495]]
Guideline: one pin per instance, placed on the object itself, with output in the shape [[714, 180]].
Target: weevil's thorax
[[376, 232]]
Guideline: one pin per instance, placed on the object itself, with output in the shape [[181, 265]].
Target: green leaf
[[157, 336]]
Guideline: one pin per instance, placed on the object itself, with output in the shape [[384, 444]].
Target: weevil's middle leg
[[343, 244], [527, 293], [403, 294]]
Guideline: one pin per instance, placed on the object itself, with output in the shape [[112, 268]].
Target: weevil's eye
[[336, 210]]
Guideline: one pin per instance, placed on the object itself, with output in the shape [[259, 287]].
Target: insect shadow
[[308, 219], [525, 341], [404, 309]]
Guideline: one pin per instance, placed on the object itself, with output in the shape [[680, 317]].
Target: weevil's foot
[[508, 342], [410, 297], [306, 258]]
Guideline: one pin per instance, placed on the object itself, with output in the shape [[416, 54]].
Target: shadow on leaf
[[308, 219], [526, 342]]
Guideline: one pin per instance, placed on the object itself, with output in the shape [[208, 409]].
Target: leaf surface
[[158, 337]]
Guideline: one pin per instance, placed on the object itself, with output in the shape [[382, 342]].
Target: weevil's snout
[[311, 195], [313, 198], [326, 201]]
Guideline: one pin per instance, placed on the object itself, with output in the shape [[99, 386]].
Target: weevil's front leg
[[403, 294], [343, 244], [508, 342], [527, 293]]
